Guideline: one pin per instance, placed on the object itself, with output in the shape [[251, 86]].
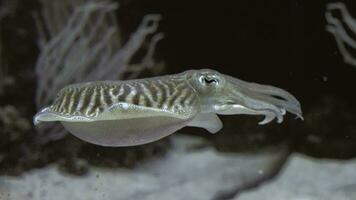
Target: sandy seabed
[[195, 174]]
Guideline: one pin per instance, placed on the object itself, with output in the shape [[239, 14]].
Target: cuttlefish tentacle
[[134, 112], [268, 114], [280, 100]]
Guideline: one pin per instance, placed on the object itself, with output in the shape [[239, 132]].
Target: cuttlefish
[[134, 112]]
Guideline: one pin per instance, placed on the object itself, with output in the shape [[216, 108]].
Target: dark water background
[[282, 43]]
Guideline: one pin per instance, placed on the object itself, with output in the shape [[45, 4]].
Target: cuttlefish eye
[[209, 79]]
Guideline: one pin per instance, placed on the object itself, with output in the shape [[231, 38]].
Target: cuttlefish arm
[[226, 95], [270, 94], [258, 99], [208, 121]]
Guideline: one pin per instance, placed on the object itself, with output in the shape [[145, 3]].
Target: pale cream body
[[134, 112]]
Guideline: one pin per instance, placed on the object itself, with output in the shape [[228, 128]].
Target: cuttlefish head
[[226, 95]]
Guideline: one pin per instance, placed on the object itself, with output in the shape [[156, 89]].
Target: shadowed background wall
[[282, 43]]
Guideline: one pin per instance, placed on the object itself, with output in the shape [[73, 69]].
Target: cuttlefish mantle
[[134, 112]]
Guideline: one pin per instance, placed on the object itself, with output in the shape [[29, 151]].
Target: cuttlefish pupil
[[134, 112]]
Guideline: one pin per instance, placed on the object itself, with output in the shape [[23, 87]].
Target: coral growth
[[78, 39], [85, 45], [12, 122], [337, 28]]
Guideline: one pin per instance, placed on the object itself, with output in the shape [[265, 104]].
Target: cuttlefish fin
[[125, 132], [48, 115], [122, 124], [117, 111], [209, 121]]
